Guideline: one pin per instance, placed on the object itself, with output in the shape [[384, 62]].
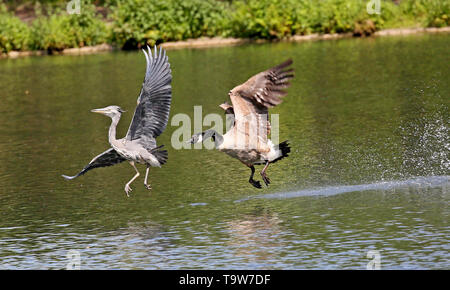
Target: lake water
[[368, 123]]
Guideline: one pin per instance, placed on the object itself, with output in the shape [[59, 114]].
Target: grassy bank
[[130, 24]]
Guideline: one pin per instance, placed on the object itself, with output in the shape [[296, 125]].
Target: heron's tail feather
[[82, 172], [70, 177], [161, 155], [284, 148]]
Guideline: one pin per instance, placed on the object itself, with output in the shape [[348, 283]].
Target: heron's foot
[[265, 179], [255, 183], [128, 189], [148, 186]]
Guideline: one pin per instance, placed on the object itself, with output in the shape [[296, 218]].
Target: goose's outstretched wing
[[229, 111], [263, 90], [107, 158], [252, 99], [152, 111]]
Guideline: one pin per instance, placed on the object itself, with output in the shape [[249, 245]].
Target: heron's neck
[[217, 138], [112, 129]]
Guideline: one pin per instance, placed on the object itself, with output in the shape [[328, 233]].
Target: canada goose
[[149, 121], [247, 139]]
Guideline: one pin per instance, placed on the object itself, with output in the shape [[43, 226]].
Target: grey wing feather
[[152, 112], [107, 158]]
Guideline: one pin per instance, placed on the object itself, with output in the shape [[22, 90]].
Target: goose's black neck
[[217, 138]]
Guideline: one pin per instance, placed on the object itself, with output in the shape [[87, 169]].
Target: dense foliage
[[137, 22], [14, 34], [134, 23], [54, 31], [60, 30]]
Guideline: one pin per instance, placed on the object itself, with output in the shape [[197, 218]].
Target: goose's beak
[[191, 141]]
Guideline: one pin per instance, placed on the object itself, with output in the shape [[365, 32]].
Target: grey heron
[[149, 121], [247, 139]]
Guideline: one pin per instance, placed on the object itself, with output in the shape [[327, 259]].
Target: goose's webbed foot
[[265, 179], [264, 176], [255, 183]]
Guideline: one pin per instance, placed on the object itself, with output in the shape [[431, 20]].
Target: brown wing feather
[[266, 88], [230, 111], [261, 92]]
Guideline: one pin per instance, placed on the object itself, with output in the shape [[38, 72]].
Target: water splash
[[427, 144], [418, 182]]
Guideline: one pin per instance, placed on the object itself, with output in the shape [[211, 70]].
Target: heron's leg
[[264, 176], [253, 182], [146, 176], [127, 186]]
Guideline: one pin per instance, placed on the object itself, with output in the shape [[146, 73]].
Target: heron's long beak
[[100, 111]]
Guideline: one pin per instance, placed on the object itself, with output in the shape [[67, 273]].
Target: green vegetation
[[138, 22], [54, 31], [60, 30], [14, 34], [282, 18], [437, 13], [132, 24]]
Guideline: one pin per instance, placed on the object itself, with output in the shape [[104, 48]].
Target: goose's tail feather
[[284, 148]]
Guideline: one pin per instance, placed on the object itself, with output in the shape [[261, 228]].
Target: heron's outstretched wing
[[107, 158], [152, 112]]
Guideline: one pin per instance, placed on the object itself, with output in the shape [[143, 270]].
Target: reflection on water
[[254, 237], [369, 169]]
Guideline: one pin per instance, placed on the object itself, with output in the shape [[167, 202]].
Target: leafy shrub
[[134, 23], [281, 18], [260, 19], [424, 13], [138, 22], [60, 30], [438, 13], [14, 34]]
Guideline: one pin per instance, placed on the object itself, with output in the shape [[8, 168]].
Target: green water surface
[[367, 120]]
